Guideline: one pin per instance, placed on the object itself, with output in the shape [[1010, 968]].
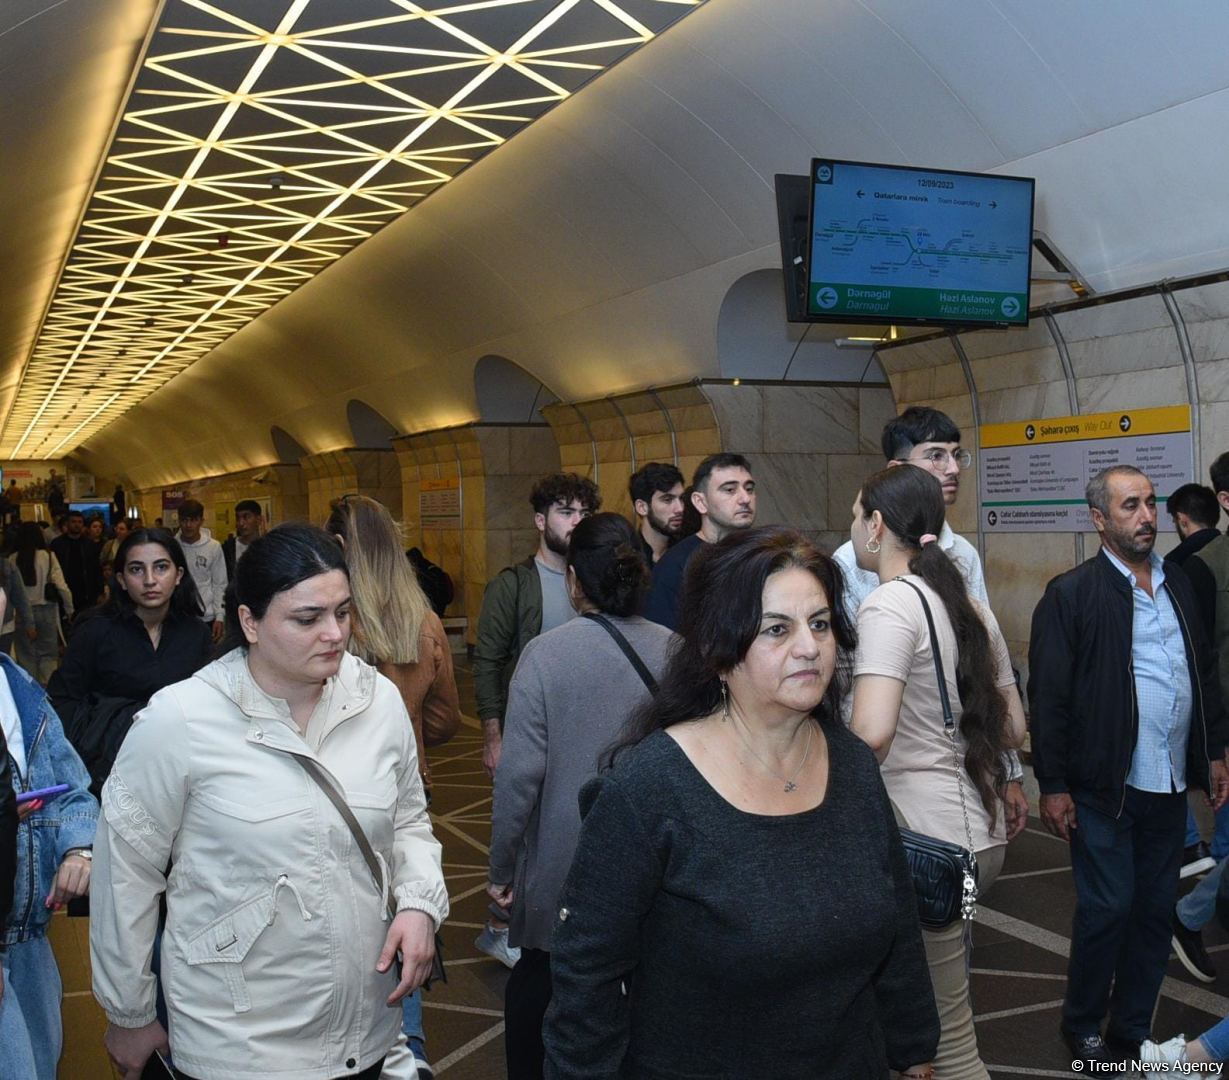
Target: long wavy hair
[[389, 604], [719, 618], [910, 501]]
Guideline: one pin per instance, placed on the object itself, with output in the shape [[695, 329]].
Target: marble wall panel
[[1025, 403], [1136, 389], [1209, 339], [1018, 567], [1208, 302], [615, 498], [845, 475], [875, 408], [1114, 320], [923, 354], [654, 448], [532, 451], [791, 490], [1016, 369], [697, 443], [997, 342], [1125, 352], [810, 419], [507, 503], [739, 411], [494, 444]]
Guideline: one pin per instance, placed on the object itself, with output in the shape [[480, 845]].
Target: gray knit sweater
[[572, 692]]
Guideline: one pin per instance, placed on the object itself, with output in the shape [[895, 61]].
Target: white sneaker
[[1172, 1052], [495, 944]]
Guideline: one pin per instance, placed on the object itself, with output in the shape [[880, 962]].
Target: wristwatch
[[86, 853]]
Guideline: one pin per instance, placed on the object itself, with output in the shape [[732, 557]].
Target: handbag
[[944, 874], [313, 769], [633, 657]]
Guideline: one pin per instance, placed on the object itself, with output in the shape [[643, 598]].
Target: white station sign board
[[1032, 474]]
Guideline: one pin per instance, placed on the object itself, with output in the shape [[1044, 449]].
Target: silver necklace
[[791, 784]]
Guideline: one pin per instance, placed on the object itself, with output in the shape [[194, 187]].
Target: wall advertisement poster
[[1032, 474]]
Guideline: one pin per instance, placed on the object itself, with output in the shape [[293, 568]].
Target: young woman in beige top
[[896, 710]]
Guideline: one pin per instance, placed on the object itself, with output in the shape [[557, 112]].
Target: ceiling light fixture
[[251, 156]]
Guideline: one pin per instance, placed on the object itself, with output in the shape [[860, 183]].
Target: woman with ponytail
[[897, 710], [573, 691]]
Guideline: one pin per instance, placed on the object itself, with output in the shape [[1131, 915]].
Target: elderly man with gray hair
[[1126, 713]]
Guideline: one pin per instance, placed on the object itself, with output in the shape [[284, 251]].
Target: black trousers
[[1126, 885], [372, 1072], [525, 1000]]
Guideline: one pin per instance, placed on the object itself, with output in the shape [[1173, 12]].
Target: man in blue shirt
[[1126, 712]]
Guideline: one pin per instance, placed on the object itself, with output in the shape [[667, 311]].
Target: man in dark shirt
[[657, 497], [1195, 512], [724, 494], [77, 555]]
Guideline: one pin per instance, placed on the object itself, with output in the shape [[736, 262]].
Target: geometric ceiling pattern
[[261, 141]]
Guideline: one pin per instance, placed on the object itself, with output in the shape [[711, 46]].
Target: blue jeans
[[1220, 834], [1126, 884], [31, 1034], [411, 1018], [1198, 906]]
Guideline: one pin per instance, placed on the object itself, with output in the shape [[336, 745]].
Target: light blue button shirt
[[1162, 685]]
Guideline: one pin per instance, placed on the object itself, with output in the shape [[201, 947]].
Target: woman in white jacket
[[278, 953]]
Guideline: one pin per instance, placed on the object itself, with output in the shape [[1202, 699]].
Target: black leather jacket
[[1084, 717]]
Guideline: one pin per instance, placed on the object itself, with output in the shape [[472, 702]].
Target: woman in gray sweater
[[572, 693], [740, 907]]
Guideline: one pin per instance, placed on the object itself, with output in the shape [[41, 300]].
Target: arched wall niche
[[286, 446], [756, 341], [508, 394], [370, 430]]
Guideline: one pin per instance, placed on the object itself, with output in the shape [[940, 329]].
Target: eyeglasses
[[938, 457]]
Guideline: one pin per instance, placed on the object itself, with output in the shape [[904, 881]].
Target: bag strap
[[949, 727], [949, 723], [625, 646], [313, 769]]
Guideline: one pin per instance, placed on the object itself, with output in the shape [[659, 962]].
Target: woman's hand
[[413, 935], [71, 881], [131, 1048], [503, 895], [25, 809]]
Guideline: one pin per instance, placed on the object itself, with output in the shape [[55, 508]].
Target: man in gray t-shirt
[[556, 607]]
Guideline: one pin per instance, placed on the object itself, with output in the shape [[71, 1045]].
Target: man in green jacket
[[521, 602]]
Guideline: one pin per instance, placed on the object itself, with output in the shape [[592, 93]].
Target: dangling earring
[[725, 701], [873, 550]]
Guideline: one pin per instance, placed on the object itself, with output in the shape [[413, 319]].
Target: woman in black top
[[740, 905], [147, 636]]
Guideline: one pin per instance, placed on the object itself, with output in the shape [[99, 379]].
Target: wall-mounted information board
[[1032, 474], [439, 503]]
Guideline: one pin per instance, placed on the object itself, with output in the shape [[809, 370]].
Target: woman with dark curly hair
[[740, 905], [949, 788], [573, 691]]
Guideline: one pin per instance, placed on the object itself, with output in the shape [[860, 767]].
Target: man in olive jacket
[[1126, 713], [524, 600]]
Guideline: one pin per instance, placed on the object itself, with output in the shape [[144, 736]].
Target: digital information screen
[[895, 244]]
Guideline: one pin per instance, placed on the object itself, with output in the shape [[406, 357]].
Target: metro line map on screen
[[896, 244]]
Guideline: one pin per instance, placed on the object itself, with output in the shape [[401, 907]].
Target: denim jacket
[[65, 823]]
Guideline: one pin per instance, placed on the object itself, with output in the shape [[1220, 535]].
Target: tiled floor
[[1019, 961]]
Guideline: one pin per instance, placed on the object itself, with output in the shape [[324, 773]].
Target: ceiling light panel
[[263, 140]]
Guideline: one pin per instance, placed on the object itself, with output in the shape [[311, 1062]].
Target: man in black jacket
[[1126, 712]]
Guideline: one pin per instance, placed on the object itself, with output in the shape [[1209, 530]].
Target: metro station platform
[[1021, 941]]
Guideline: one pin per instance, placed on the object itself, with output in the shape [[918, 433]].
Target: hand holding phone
[[47, 794]]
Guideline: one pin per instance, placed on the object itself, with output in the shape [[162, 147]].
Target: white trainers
[[495, 944], [1172, 1052]]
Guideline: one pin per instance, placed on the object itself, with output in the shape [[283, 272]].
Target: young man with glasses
[[929, 439]]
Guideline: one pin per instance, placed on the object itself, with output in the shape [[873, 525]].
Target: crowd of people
[[746, 797]]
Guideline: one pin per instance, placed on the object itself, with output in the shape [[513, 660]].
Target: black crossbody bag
[[625, 647], [944, 874]]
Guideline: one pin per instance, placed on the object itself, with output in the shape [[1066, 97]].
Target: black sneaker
[[1188, 944], [1196, 859], [1086, 1048]]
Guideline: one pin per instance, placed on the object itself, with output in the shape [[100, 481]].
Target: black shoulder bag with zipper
[[312, 768], [625, 647], [944, 874]]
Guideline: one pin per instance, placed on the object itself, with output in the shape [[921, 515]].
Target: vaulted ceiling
[[593, 249]]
